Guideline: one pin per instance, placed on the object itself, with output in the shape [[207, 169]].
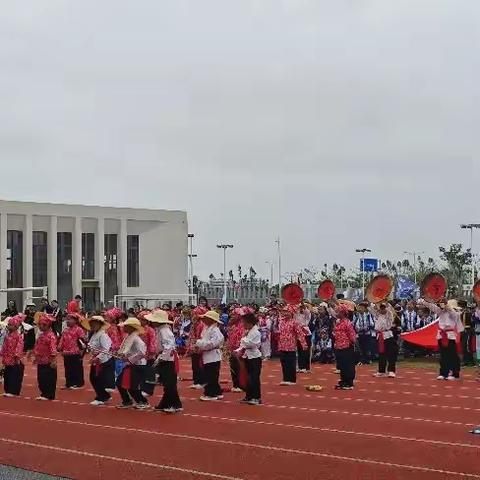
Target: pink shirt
[[290, 332], [344, 334], [235, 334], [68, 344], [12, 349], [150, 340], [116, 336], [45, 348]]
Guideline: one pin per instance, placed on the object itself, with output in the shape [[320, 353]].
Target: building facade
[[96, 252]]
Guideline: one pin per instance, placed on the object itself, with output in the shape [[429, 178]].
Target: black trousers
[[148, 385], [449, 359], [73, 371], [47, 381], [198, 370], [99, 377], [288, 361], [13, 378], [254, 370], [467, 351], [304, 356], [235, 371], [133, 392], [212, 375], [346, 363], [389, 356], [170, 398], [365, 343]]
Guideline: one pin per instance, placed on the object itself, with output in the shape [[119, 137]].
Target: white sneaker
[[77, 388], [145, 395], [379, 375], [236, 390], [97, 403], [142, 406], [204, 398], [179, 410], [42, 399], [392, 374], [220, 397], [169, 410], [336, 371], [196, 387], [450, 377], [287, 384], [441, 377], [110, 390], [8, 395]]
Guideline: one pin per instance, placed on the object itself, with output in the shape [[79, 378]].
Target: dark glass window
[[15, 266], [64, 267], [133, 261], [40, 259], [88, 255], [111, 287]]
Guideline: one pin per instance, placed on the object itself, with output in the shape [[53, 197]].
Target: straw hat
[[159, 316], [212, 315], [44, 318], [85, 322], [454, 304], [134, 323]]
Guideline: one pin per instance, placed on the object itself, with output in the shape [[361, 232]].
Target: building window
[[40, 261], [133, 261], [15, 266], [88, 256], [64, 267], [110, 267]]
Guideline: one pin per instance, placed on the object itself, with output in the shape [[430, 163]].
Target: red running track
[[409, 427]]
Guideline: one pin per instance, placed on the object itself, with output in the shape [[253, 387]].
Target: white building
[[96, 252]]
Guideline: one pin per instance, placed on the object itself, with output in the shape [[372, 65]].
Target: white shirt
[[383, 322], [448, 319], [251, 343], [100, 341], [165, 344], [210, 344], [134, 348]]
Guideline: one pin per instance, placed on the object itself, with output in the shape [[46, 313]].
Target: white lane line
[[225, 442], [84, 453]]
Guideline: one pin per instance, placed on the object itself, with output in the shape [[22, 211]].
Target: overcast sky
[[334, 124]]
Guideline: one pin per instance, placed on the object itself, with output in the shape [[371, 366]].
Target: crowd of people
[[136, 350]]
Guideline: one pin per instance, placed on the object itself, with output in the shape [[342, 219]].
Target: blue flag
[[406, 289]]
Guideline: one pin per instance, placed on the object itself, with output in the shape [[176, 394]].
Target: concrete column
[[52, 258], [3, 259], [100, 258], [77, 257], [122, 287], [28, 257]]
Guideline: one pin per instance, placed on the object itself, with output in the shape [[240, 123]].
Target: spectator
[[364, 325], [11, 310]]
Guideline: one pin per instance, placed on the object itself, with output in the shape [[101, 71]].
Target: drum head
[[434, 287], [379, 289], [326, 290], [292, 293], [476, 291]]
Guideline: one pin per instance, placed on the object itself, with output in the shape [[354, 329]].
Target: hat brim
[[85, 323], [138, 328], [160, 321], [219, 321]]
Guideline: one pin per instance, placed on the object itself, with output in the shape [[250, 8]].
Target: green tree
[[455, 271]]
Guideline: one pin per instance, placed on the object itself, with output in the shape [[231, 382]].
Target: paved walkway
[[10, 473]]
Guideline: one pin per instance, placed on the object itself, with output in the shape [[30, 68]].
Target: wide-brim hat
[[212, 315], [158, 316], [452, 303], [44, 318], [85, 321], [134, 323]]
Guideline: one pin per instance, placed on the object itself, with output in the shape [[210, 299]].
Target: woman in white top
[[449, 326], [384, 316], [209, 345], [102, 364], [133, 351], [166, 362], [250, 352]]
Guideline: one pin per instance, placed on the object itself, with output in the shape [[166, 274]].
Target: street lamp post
[[277, 241], [271, 271], [225, 247], [363, 251], [471, 226], [191, 256], [414, 254]]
